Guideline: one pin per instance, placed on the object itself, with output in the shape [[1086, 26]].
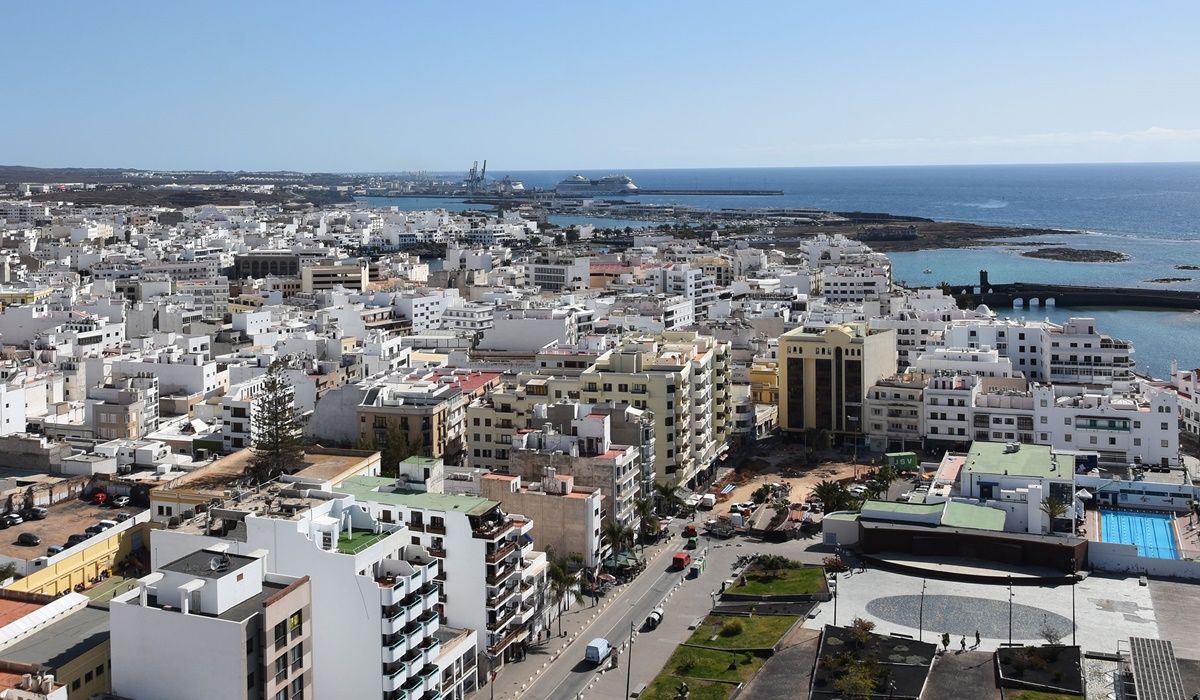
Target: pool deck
[[1185, 528]]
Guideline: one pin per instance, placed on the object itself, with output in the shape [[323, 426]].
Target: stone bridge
[[1031, 294]]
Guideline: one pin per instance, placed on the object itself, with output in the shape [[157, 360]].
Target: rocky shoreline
[[1065, 254]]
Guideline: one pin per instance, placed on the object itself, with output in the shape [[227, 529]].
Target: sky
[[396, 86]]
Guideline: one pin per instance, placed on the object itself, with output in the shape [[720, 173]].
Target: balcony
[[501, 575], [501, 644], [414, 686], [492, 530], [394, 649], [430, 622], [502, 618], [430, 672], [436, 528], [394, 676], [501, 597], [438, 553], [501, 553]]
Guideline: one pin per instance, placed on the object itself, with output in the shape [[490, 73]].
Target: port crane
[[475, 177]]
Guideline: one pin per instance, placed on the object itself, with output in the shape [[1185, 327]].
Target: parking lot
[[64, 519]]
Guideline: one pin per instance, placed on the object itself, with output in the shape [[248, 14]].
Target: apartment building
[[574, 441], [689, 281], [566, 516], [491, 578], [825, 372], [233, 629], [1076, 353], [948, 400], [124, 407], [559, 272], [681, 378], [894, 412], [1186, 384], [428, 410], [350, 274], [390, 642]]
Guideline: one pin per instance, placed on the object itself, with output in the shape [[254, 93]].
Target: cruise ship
[[580, 186]]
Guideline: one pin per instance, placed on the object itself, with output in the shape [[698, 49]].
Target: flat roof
[[65, 639], [200, 564], [324, 466], [364, 488], [1028, 460], [972, 516], [13, 610], [895, 507]]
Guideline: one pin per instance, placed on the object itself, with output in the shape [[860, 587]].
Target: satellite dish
[[218, 563]]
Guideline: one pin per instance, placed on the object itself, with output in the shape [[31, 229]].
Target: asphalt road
[[569, 675]]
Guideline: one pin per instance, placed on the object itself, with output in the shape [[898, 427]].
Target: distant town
[[263, 438]]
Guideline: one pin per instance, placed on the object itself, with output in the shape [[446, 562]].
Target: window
[[1163, 426], [281, 668], [297, 689], [1067, 437], [100, 670], [75, 684], [297, 655], [296, 623], [281, 635], [87, 677], [282, 695]]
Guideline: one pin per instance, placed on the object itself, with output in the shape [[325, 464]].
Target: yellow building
[[764, 382], [824, 374], [10, 296]]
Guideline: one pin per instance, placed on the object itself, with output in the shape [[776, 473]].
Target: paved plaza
[[1107, 610]]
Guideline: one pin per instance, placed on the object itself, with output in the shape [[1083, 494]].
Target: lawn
[[358, 540], [663, 688], [809, 580], [1038, 695], [758, 632], [711, 664]]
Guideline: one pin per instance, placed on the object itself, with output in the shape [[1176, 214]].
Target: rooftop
[[58, 643], [210, 565], [972, 516], [366, 488], [1036, 461]]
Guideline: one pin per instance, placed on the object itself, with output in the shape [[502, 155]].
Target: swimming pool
[[1152, 533]]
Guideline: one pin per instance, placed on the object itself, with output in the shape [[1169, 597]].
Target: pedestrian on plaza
[[977, 641], [963, 644], [946, 641]]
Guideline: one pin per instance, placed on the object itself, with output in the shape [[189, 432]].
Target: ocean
[[1150, 211]]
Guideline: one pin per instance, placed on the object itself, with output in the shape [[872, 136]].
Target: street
[[684, 601]]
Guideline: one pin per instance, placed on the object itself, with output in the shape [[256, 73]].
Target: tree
[[650, 523], [276, 445], [618, 536], [833, 495], [396, 449], [1055, 508], [665, 496], [563, 585]]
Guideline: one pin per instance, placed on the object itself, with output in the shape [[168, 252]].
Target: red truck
[[681, 560]]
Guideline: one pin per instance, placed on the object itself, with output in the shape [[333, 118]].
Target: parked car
[[28, 539], [857, 490], [14, 519], [122, 517], [76, 539], [120, 501], [106, 524], [656, 616], [93, 530], [54, 549], [35, 513]]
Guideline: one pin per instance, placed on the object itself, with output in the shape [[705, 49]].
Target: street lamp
[[629, 661], [492, 673], [835, 587], [1074, 578], [921, 615], [1010, 607]]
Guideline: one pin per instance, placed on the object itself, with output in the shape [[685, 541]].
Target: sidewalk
[[514, 677]]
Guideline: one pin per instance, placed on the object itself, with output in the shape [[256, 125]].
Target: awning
[[1083, 494]]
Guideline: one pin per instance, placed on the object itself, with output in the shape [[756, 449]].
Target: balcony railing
[[503, 618], [436, 528], [502, 552], [504, 641]]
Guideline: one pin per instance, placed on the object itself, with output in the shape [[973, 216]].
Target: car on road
[[681, 560], [654, 618], [597, 651], [28, 539]]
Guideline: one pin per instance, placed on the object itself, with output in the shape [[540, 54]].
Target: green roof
[[1029, 460], [849, 517], [365, 488], [894, 507], [418, 459], [972, 516]]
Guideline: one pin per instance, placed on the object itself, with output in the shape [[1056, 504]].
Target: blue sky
[[529, 85]]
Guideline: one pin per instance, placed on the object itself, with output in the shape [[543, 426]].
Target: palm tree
[[617, 535], [833, 495], [1055, 508], [650, 523], [665, 496], [563, 586]]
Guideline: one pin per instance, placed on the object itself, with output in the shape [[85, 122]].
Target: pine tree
[[396, 448], [276, 447]]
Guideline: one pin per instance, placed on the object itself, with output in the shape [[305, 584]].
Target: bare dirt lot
[[785, 463]]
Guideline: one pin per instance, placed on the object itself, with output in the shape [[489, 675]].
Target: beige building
[[429, 412], [824, 374], [893, 412], [682, 378], [566, 518], [354, 277]]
